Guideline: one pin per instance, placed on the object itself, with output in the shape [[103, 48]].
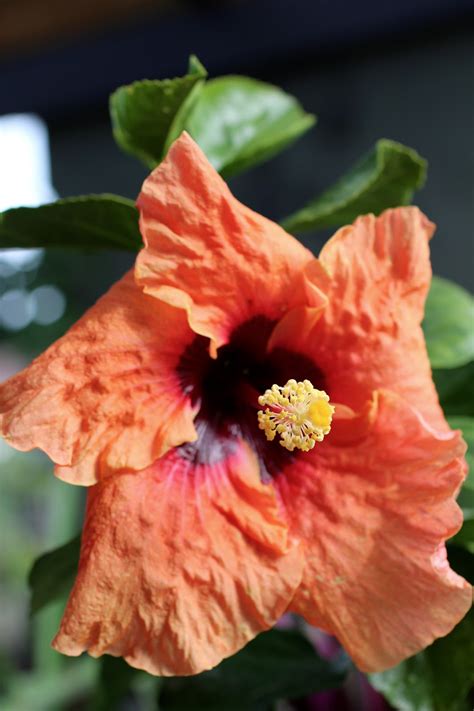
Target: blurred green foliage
[[449, 324], [239, 122]]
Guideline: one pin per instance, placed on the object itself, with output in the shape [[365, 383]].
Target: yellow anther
[[299, 413]]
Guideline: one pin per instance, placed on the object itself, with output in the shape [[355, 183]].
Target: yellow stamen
[[299, 413]]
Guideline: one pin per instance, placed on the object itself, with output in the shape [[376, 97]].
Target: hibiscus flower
[[201, 530]]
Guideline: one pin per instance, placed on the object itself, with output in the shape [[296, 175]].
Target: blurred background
[[401, 70]]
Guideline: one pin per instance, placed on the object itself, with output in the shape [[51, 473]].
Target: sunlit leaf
[[449, 324], [90, 221], [239, 122], [52, 575], [148, 115], [277, 664], [387, 177]]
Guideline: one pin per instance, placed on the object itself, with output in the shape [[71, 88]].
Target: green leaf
[[239, 122], [386, 177], [449, 324], [462, 562], [89, 221], [116, 680], [456, 390], [437, 679], [148, 115], [440, 677], [277, 664], [466, 425], [465, 537], [52, 575]]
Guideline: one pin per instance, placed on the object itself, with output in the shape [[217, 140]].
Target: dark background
[[399, 70]]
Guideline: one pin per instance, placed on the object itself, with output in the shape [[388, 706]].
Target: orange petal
[[209, 254], [181, 565], [291, 331], [369, 336], [105, 396], [375, 516]]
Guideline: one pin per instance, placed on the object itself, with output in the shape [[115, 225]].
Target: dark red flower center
[[227, 389]]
